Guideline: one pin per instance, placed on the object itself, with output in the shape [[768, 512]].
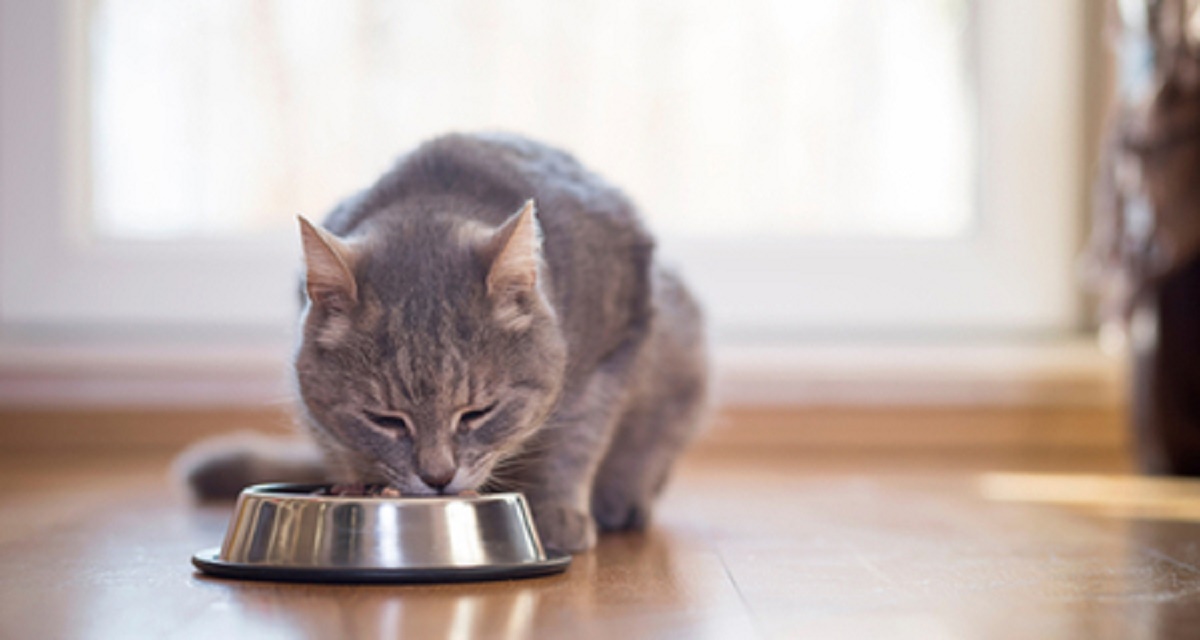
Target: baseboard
[[898, 429], [1017, 373], [104, 430], [1013, 429]]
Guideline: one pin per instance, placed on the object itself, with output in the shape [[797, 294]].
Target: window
[[228, 117], [861, 166]]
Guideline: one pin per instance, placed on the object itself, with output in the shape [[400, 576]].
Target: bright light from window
[[821, 117]]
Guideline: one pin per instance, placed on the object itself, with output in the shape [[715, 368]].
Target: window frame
[[1020, 253]]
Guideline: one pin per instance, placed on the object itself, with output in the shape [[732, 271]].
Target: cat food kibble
[[359, 491], [371, 491]]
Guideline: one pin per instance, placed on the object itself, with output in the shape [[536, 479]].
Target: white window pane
[[821, 117]]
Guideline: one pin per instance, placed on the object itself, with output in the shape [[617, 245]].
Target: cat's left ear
[[328, 278], [515, 251]]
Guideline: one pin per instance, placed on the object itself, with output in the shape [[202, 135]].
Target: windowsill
[[1070, 371], [1062, 372]]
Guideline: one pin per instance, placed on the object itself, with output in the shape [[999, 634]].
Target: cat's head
[[429, 349]]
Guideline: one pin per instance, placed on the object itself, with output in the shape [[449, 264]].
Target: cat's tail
[[219, 468]]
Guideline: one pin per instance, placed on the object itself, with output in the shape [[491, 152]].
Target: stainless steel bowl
[[286, 532]]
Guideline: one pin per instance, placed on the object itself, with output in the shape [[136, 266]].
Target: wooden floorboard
[[770, 544]]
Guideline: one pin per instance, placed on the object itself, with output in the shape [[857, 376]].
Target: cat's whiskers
[[393, 479], [501, 481]]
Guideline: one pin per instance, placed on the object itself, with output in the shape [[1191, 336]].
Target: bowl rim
[[295, 491], [208, 561]]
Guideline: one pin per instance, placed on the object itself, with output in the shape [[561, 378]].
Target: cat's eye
[[473, 418], [390, 423]]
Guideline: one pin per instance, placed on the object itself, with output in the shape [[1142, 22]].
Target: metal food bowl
[[290, 532]]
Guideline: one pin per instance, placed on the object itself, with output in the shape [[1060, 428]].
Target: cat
[[489, 314]]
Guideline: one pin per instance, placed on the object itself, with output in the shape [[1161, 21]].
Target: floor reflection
[[1153, 570], [627, 570], [1102, 495], [1173, 547], [494, 610]]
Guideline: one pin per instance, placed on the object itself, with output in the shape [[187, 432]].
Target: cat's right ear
[[328, 278], [515, 254]]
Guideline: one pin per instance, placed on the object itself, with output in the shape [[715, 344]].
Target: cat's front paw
[[565, 528], [616, 510]]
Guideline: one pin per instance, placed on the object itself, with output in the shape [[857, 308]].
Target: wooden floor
[[777, 545]]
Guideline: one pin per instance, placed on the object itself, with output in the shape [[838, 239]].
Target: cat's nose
[[437, 479]]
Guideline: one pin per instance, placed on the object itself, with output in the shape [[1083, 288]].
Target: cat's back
[[598, 252], [488, 176]]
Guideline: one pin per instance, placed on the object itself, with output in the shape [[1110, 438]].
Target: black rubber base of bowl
[[209, 562]]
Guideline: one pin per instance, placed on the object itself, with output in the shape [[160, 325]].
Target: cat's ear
[[328, 277], [515, 250]]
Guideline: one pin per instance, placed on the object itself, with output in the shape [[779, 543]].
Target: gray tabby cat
[[457, 336]]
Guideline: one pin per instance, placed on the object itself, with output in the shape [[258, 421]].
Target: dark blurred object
[[1166, 372], [1145, 245]]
